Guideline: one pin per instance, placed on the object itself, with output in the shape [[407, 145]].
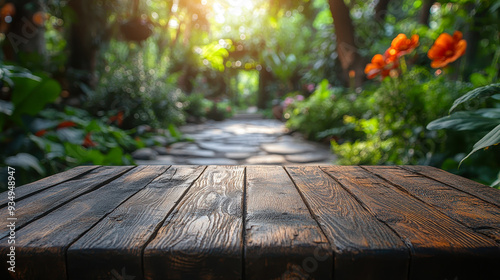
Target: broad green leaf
[[478, 79], [25, 161], [482, 91], [6, 107], [70, 135], [114, 157], [490, 139], [45, 92], [174, 132], [52, 149], [23, 88], [463, 121]]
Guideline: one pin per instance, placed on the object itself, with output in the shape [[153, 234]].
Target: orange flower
[[39, 18], [447, 49], [118, 118], [8, 10], [87, 142], [380, 65], [66, 124], [401, 45]]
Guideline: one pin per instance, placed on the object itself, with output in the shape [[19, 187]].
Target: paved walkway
[[245, 139]]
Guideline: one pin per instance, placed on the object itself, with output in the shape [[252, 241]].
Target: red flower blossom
[[87, 142], [118, 118], [41, 133], [380, 65], [66, 124], [447, 49], [401, 45]]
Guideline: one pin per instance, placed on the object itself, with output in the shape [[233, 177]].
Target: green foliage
[[141, 92], [196, 107], [402, 107], [323, 110], [29, 94], [487, 119]]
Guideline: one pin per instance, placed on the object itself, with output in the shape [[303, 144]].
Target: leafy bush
[[403, 107], [143, 94], [485, 120], [323, 110], [196, 107]]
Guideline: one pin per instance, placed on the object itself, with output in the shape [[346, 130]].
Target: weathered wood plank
[[42, 244], [37, 205], [484, 192], [469, 210], [201, 239], [282, 238], [441, 247], [31, 188], [118, 240], [358, 239]]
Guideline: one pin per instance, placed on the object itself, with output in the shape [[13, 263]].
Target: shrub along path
[[245, 139]]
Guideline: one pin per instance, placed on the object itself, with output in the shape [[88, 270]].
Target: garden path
[[246, 139]]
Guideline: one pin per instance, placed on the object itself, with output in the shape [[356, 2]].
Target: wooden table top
[[253, 222]]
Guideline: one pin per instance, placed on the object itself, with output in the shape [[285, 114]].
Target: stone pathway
[[246, 140]]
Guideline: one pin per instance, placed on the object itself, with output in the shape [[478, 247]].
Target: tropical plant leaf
[[490, 139], [44, 92], [482, 91], [460, 121], [25, 161], [6, 107]]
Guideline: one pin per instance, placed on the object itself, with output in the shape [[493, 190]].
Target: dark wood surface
[[254, 222]]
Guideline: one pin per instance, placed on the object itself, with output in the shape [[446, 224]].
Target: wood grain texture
[[42, 244], [118, 240], [469, 210], [31, 188], [441, 247], [283, 240], [357, 237], [202, 238], [484, 192], [37, 205]]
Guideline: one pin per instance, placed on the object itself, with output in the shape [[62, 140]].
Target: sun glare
[[232, 8]]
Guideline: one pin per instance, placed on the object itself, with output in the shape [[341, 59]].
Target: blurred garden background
[[384, 82]]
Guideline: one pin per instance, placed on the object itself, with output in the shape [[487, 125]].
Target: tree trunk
[[381, 10], [265, 77], [425, 13], [24, 36], [348, 54], [83, 49]]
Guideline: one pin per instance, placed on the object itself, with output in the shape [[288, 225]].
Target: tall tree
[[425, 12], [381, 10], [25, 34], [350, 59], [89, 29]]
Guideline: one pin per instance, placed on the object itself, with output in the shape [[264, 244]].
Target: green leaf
[[478, 79], [114, 157], [6, 107], [23, 88], [174, 132], [482, 91], [464, 121], [70, 135], [45, 92], [490, 139], [52, 149], [25, 161], [83, 155]]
